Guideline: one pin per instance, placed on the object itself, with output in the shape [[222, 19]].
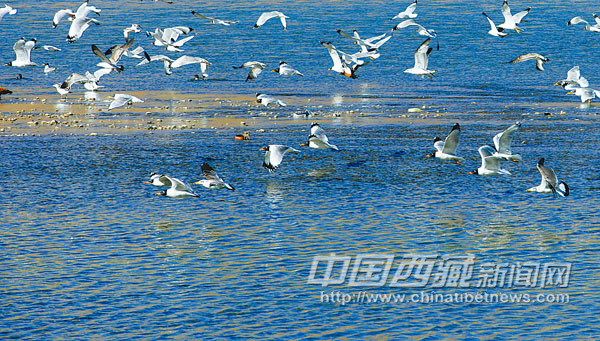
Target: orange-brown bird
[[4, 91]]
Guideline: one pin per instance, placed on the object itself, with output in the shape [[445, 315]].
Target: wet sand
[[88, 114]]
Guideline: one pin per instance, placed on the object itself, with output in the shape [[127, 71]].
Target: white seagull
[[502, 142], [511, 21], [78, 26], [495, 31], [490, 164], [539, 60], [122, 99], [422, 60], [421, 30], [159, 180], [134, 28], [285, 70], [274, 154], [60, 15], [268, 15], [550, 183], [22, 50], [255, 69], [573, 80], [409, 12], [178, 189], [185, 60], [112, 61], [317, 138], [266, 100], [585, 94], [48, 68], [446, 150], [212, 181], [339, 66], [588, 27], [7, 10], [214, 20]]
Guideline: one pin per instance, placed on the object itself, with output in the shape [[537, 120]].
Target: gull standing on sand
[[7, 10], [178, 189], [588, 27], [490, 164], [214, 20], [255, 69], [422, 61], [268, 15], [317, 138], [22, 50], [446, 150], [212, 181], [409, 12], [265, 100], [550, 183], [274, 154], [539, 60], [495, 31], [503, 141], [573, 80], [285, 70], [122, 99]]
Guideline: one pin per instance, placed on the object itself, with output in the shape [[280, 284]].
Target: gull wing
[[422, 55], [118, 51], [335, 57], [209, 172], [577, 20], [451, 141], [202, 16], [182, 41], [488, 161], [20, 51], [527, 56], [519, 16], [318, 132], [503, 140], [72, 79], [264, 17], [596, 18], [508, 18], [547, 173], [438, 144], [185, 60], [277, 152], [180, 185]]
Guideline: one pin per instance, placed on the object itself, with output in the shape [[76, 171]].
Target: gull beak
[[304, 144], [158, 193], [147, 182], [570, 93], [429, 155], [529, 190], [197, 183], [556, 83], [274, 71], [263, 149], [518, 31], [471, 173]]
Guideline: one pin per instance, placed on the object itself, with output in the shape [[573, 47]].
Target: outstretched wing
[[209, 172], [451, 141], [503, 140]]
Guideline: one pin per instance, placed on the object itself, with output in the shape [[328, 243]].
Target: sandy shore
[[88, 114]]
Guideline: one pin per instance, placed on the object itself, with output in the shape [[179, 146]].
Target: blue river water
[[87, 251]]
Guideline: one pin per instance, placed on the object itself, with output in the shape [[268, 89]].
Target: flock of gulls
[[491, 158], [172, 39]]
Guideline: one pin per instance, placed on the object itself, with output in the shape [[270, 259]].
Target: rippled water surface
[[88, 251]]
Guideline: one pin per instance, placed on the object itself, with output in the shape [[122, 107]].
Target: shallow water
[[88, 251]]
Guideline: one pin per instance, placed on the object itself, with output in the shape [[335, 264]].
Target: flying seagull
[[212, 179], [495, 31], [317, 138], [502, 142], [255, 69], [268, 15], [550, 183], [22, 50], [539, 60], [214, 20], [490, 164], [573, 80], [587, 27], [422, 61], [409, 12], [285, 70], [274, 154], [123, 99], [446, 150], [7, 10], [178, 189]]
